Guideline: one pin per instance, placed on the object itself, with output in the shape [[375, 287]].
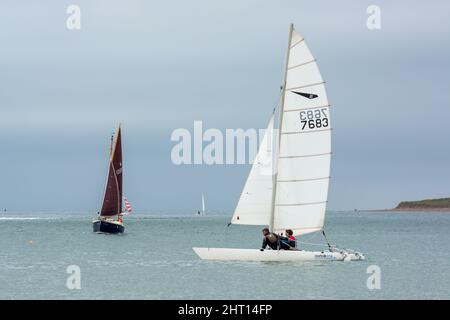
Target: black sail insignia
[[306, 95]]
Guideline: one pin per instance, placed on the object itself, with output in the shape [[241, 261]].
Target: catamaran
[[106, 221], [288, 188]]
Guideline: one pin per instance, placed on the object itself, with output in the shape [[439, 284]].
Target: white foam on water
[[21, 218]]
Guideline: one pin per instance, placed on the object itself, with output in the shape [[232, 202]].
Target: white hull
[[225, 254]]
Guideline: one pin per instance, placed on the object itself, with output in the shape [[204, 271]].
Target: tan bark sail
[[112, 201]]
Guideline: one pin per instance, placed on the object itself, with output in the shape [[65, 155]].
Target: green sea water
[[154, 258]]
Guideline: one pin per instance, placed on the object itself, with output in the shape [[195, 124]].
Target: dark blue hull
[[102, 226]]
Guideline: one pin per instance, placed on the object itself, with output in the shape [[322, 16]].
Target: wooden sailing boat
[[294, 196], [106, 221]]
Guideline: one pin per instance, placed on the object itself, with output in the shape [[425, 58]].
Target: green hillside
[[443, 203]]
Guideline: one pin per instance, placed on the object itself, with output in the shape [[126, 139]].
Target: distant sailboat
[[203, 205], [295, 195], [202, 212], [112, 200]]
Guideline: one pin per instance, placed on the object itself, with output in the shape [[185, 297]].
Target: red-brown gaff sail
[[112, 201]]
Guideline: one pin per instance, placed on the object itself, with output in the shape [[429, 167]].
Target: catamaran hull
[[101, 226], [225, 254]]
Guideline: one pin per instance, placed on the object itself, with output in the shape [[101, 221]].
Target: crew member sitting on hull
[[292, 239], [269, 239], [288, 242], [119, 219]]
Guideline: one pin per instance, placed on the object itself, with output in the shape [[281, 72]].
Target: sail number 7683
[[312, 119]]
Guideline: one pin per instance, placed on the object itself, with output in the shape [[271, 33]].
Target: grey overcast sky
[[159, 65]]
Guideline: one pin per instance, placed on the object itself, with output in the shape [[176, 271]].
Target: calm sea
[[154, 259]]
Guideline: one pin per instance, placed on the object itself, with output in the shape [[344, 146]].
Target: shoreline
[[427, 210]]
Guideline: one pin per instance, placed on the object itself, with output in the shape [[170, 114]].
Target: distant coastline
[[442, 204], [427, 205]]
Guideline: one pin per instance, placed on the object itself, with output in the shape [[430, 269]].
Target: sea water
[[153, 259]]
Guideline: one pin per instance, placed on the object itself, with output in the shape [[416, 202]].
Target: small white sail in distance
[[203, 204]]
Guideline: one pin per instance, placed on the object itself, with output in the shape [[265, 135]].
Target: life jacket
[[292, 242], [272, 238]]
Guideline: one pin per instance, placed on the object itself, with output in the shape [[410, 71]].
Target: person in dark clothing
[[288, 241], [269, 239], [291, 239], [284, 243]]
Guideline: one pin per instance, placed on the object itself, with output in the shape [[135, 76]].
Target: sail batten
[[307, 108], [295, 132], [301, 64], [298, 42], [306, 86], [300, 180], [300, 204], [306, 155]]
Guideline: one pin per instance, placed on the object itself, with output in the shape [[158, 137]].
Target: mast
[[280, 123], [111, 145]]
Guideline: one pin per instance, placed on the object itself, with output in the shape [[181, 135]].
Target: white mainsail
[[255, 204], [302, 158], [305, 145]]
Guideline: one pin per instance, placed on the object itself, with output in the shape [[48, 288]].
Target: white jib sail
[[305, 145], [255, 203]]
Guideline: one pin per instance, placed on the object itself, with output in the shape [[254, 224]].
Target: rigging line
[[310, 237], [313, 236], [102, 194], [326, 239], [277, 102], [311, 244]]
